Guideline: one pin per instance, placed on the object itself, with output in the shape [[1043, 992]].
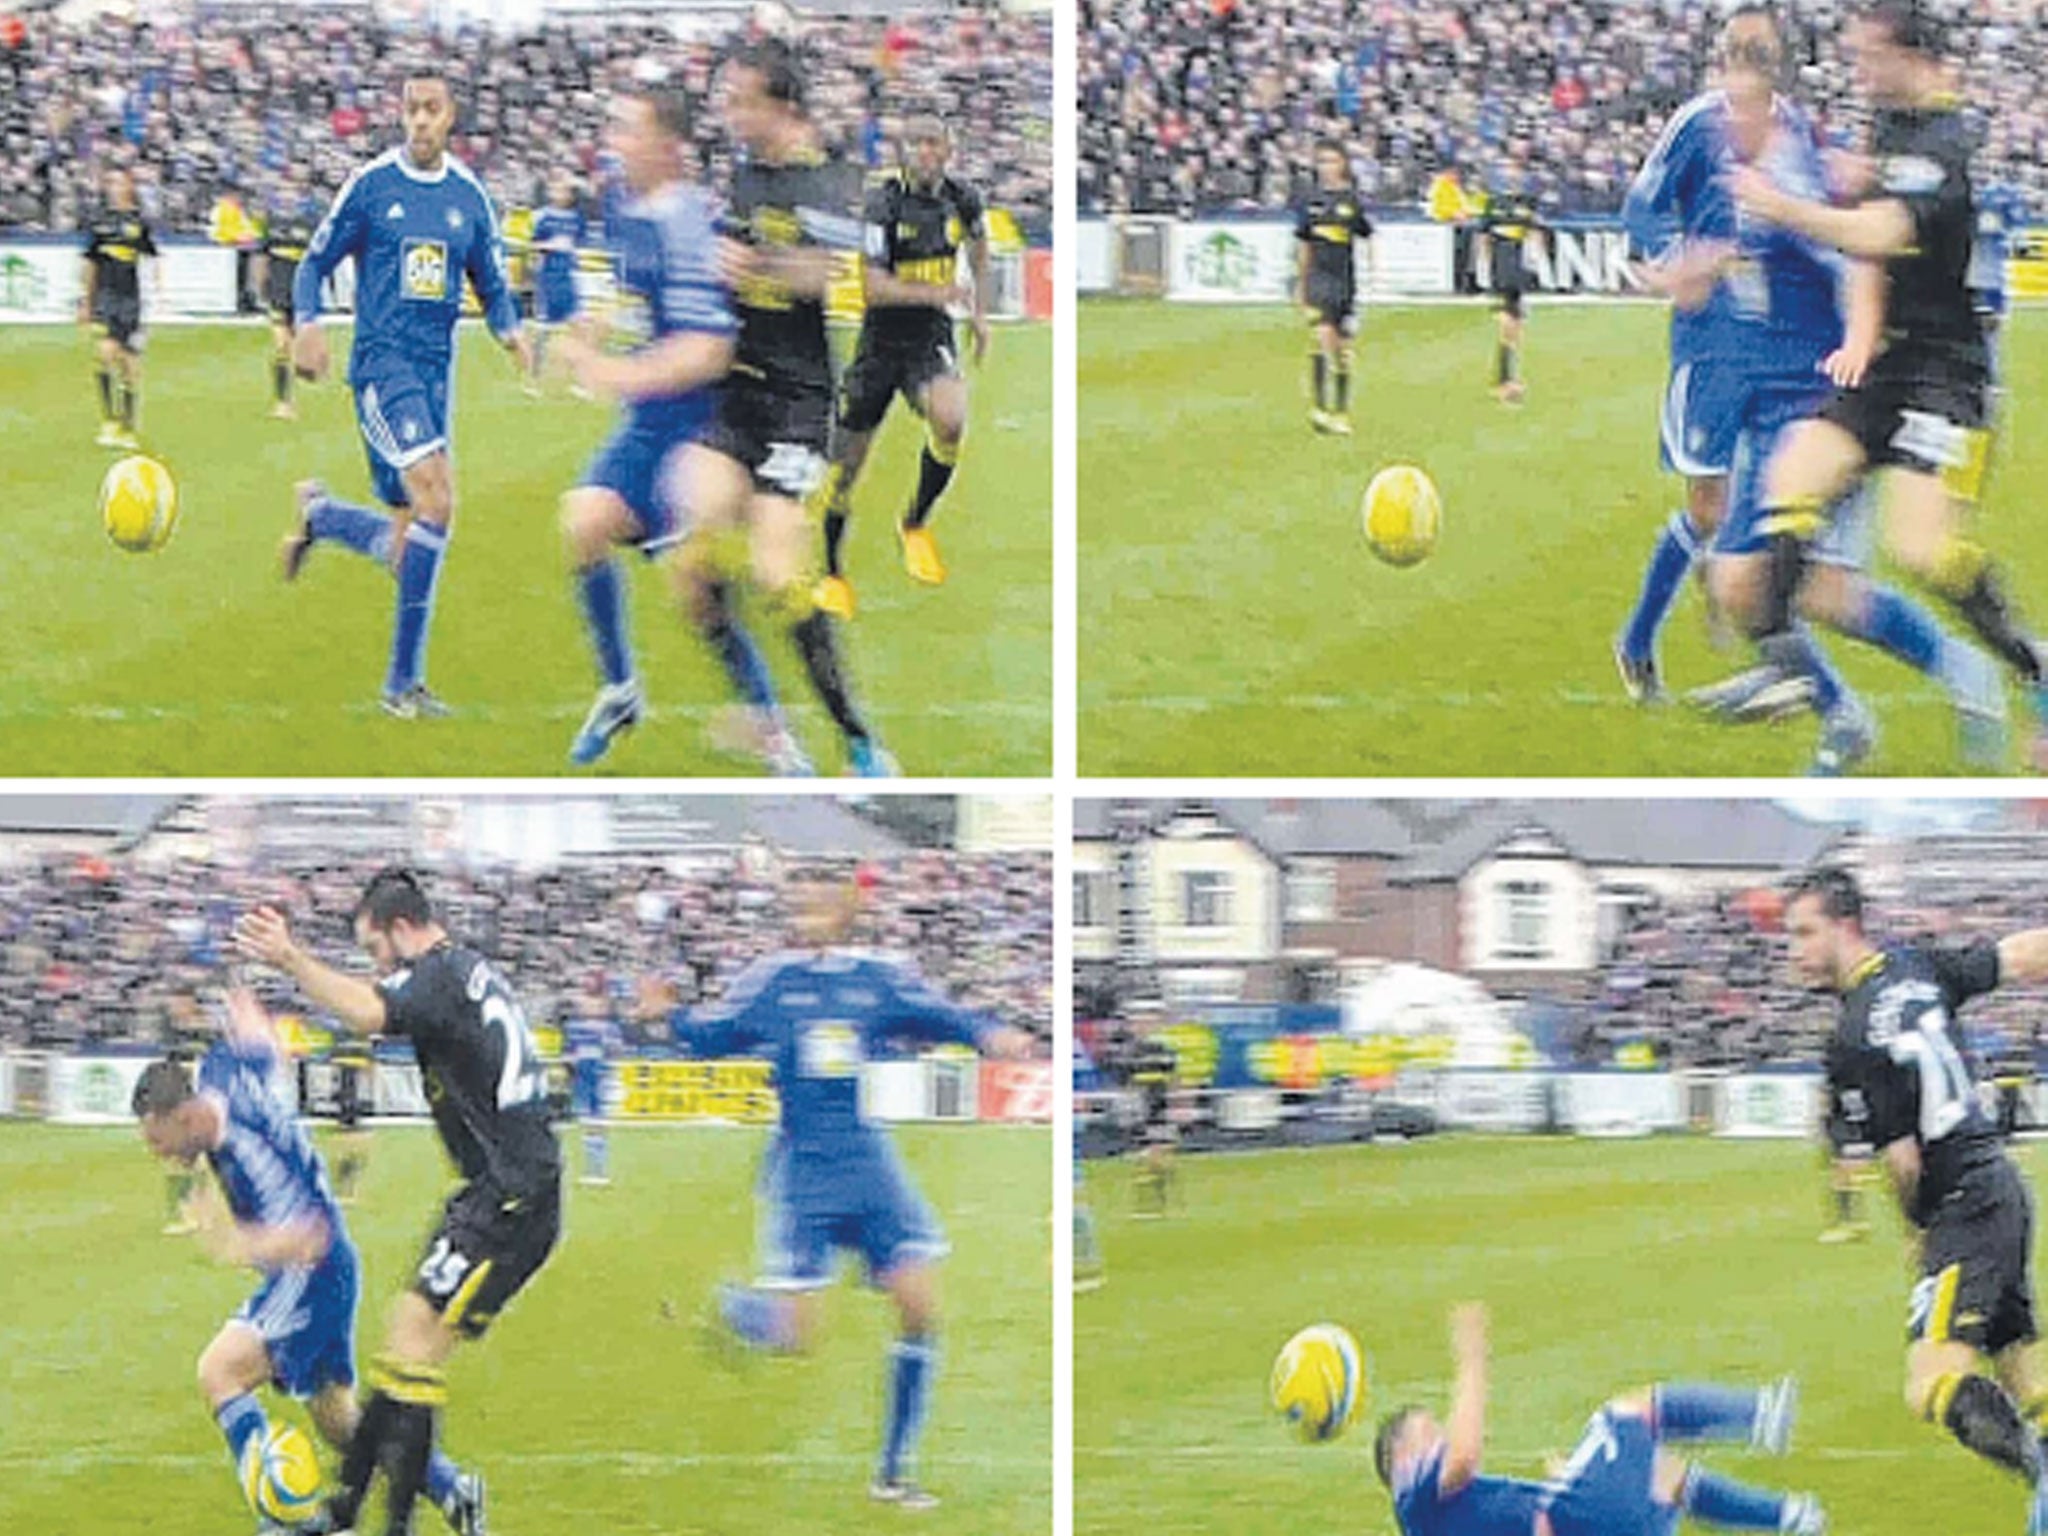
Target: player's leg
[[105, 354], [942, 401], [1507, 376], [780, 1312], [281, 367], [231, 1369], [1320, 348], [913, 1285], [716, 486], [1090, 1272], [430, 492], [1345, 329], [781, 544], [128, 386], [1682, 542], [591, 1117], [1621, 1477], [596, 519], [866, 390], [1969, 1264]]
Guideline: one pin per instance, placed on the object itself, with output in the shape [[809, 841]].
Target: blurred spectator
[[200, 102], [1189, 105]]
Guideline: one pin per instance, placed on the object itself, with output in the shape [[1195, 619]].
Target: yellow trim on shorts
[[1941, 1316]]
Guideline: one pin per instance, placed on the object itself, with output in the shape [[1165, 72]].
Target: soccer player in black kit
[[1509, 223], [1921, 406], [790, 217], [1897, 1080], [485, 1085], [110, 301], [1326, 225], [286, 234], [919, 217]]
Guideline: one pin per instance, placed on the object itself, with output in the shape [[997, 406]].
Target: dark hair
[[1744, 10], [674, 113], [1840, 897], [775, 60], [1383, 1441], [1907, 23], [163, 1086], [394, 894]]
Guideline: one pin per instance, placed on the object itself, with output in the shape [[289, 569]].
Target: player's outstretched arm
[[977, 320], [2023, 957], [1863, 294], [1465, 1429], [1876, 229], [264, 936]]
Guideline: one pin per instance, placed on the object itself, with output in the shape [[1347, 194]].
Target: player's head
[[823, 905], [1749, 55], [765, 93], [1333, 166], [428, 107], [174, 1120], [1405, 1432], [650, 131], [1824, 921], [120, 187], [562, 190], [927, 148], [394, 921], [1896, 47]]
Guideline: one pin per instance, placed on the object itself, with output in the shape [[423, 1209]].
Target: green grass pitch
[[586, 1410], [1606, 1266], [1232, 620], [199, 661]]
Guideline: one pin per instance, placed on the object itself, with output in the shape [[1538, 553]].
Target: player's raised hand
[[1468, 1329], [263, 935], [247, 1018], [309, 353], [1846, 365]]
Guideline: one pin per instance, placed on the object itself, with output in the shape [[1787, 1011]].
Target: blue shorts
[[1775, 407], [586, 1090], [402, 412], [1704, 405], [871, 1209], [630, 464], [307, 1318], [555, 302], [1606, 1488]]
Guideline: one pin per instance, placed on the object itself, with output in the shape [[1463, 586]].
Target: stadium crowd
[[244, 101], [1214, 105], [95, 952]]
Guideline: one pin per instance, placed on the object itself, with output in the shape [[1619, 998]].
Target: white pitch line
[[638, 1462], [1526, 1458]]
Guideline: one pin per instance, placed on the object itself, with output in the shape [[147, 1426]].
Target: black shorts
[[280, 305], [882, 370], [781, 436], [483, 1253], [1976, 1274], [119, 319], [1921, 410], [1509, 290], [1333, 304]]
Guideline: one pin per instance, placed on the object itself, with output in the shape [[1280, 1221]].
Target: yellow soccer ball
[[1402, 514], [281, 1476], [139, 504], [1319, 1382]]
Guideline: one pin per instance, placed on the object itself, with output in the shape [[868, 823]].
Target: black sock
[[106, 379], [128, 396], [1319, 369], [1986, 1421], [359, 1462], [1343, 388], [835, 536], [1844, 1206], [1988, 611], [1503, 363], [280, 379], [817, 642], [1787, 556], [932, 479], [411, 1442]]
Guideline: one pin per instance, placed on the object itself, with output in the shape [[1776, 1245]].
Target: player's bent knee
[[591, 523], [234, 1363]]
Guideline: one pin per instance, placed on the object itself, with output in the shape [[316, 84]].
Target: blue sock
[[912, 1363], [441, 1476], [1715, 1500], [343, 522], [603, 590], [418, 573], [745, 667], [242, 1421], [596, 1152], [759, 1319], [1897, 625], [1687, 1411], [1677, 547], [1797, 652]]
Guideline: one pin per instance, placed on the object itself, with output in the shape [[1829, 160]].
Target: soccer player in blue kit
[[1758, 338], [590, 1039], [417, 221], [297, 1331], [1623, 1480], [558, 234], [830, 1180], [674, 302]]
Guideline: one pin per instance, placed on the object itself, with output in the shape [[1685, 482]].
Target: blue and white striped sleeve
[[1650, 211], [339, 236], [693, 297]]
